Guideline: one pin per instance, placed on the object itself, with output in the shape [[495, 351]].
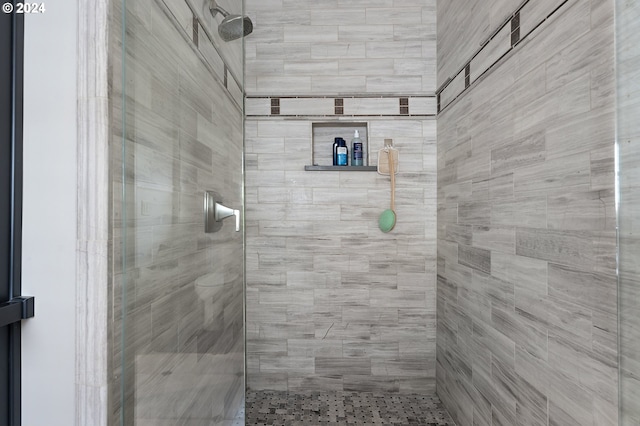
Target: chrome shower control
[[220, 212], [215, 212]]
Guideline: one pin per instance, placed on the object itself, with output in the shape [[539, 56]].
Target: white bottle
[[357, 153]]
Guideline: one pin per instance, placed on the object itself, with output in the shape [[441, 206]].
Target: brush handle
[[392, 173]]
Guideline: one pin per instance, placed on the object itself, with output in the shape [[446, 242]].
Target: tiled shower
[[498, 288], [334, 304]]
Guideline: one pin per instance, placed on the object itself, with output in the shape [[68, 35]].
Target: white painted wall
[[49, 234]]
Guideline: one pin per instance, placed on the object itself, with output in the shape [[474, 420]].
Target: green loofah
[[387, 220]]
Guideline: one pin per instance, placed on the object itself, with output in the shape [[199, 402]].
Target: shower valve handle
[[221, 212]]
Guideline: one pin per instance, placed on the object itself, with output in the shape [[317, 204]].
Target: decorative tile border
[[275, 106], [343, 106], [182, 14], [525, 19], [404, 106]]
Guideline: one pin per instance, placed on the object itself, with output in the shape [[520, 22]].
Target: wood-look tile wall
[[628, 131], [526, 305], [332, 302], [181, 135], [341, 46], [469, 23]]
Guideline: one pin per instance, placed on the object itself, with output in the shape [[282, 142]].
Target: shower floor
[[344, 408]]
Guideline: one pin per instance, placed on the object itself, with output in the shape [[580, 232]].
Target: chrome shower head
[[232, 27]]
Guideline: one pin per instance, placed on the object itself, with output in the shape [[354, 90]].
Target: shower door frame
[[13, 307]]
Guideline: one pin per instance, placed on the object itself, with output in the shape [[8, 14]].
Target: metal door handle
[[16, 309]]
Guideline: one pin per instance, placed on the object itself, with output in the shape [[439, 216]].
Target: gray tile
[[280, 408], [564, 247], [476, 258], [343, 366], [522, 152], [474, 213]]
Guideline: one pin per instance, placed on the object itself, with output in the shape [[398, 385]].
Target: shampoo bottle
[[356, 150], [335, 151], [343, 153]]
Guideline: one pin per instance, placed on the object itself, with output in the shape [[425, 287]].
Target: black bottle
[[336, 142]]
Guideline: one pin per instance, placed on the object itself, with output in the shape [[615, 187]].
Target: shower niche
[[323, 135]]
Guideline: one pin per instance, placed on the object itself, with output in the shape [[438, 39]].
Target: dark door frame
[[13, 307]]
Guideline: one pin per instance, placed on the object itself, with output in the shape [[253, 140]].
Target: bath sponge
[[387, 220]]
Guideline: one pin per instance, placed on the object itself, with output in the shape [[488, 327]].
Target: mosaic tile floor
[[344, 408]]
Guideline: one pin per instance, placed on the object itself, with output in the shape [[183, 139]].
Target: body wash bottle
[[356, 150], [343, 153]]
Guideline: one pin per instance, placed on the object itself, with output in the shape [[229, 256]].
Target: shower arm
[[215, 9]]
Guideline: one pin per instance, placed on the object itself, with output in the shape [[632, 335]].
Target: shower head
[[232, 26]]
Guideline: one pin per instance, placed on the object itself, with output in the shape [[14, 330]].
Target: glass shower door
[[628, 185], [178, 291]]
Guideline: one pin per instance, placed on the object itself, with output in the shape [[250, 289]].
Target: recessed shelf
[[341, 168], [323, 136]]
